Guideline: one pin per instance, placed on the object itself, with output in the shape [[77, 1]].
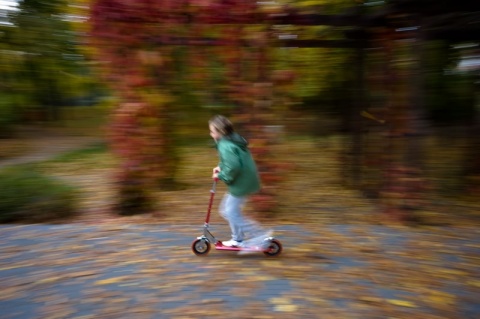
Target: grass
[[82, 153], [312, 189]]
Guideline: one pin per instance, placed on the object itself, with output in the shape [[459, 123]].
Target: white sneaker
[[231, 243]]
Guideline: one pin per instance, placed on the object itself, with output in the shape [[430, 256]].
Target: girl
[[237, 169]]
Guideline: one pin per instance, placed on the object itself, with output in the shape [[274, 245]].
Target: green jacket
[[237, 167]]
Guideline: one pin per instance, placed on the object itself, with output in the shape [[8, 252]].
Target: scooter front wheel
[[200, 247], [274, 248]]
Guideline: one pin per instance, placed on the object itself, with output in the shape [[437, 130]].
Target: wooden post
[[356, 119]]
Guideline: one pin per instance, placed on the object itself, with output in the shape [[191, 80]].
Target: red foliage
[[132, 39]]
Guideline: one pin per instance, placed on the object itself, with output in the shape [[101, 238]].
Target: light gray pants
[[241, 226]]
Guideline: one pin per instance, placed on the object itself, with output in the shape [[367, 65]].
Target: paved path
[[47, 147], [149, 271]]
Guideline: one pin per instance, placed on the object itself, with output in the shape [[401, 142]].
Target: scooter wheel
[[200, 247], [274, 248]]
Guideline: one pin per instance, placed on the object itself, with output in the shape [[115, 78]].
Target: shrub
[[7, 115], [28, 196]]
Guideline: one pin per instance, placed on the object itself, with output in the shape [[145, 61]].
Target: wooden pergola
[[399, 121]]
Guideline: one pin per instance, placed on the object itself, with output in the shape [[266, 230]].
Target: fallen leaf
[[279, 300], [402, 303], [110, 280], [475, 283], [286, 308]]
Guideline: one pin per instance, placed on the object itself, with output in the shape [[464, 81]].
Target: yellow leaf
[[303, 249], [286, 308], [283, 304], [48, 280], [129, 284], [272, 263], [452, 271], [110, 281], [402, 303], [475, 283], [15, 267], [440, 297], [279, 300]]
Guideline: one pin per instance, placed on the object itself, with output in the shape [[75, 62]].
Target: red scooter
[[201, 246]]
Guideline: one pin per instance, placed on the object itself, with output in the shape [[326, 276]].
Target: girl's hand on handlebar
[[216, 170]]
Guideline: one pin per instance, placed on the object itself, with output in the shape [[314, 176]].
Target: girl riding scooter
[[237, 169]]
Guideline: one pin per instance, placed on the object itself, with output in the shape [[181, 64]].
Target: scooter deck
[[219, 246]]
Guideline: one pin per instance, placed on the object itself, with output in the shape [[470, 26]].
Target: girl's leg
[[231, 210]]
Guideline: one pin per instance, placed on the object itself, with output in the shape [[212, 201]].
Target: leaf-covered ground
[[149, 271], [338, 261]]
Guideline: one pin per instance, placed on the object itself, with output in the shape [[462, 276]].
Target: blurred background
[[379, 99]]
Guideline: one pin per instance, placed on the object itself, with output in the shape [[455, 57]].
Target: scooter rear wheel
[[274, 248], [200, 247]]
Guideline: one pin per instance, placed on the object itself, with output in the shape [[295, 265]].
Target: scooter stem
[[212, 195]]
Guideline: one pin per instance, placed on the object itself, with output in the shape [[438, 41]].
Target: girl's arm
[[229, 165]]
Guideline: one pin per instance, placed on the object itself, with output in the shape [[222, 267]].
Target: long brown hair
[[222, 124]]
